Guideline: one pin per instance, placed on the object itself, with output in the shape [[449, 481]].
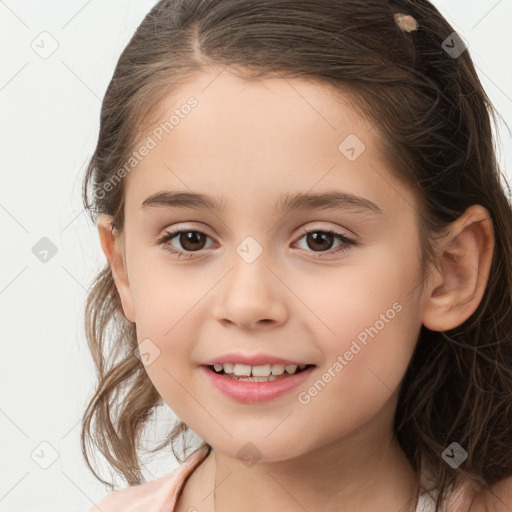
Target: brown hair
[[434, 119]]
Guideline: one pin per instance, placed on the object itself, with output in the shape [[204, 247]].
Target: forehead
[[245, 139]]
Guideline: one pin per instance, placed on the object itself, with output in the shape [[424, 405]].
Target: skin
[[250, 142]]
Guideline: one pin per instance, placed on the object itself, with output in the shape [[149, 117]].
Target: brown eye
[[320, 240], [192, 240]]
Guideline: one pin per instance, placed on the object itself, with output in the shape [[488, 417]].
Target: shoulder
[[496, 499], [154, 496], [137, 498]]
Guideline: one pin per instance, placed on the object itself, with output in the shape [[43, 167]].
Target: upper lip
[[251, 360]]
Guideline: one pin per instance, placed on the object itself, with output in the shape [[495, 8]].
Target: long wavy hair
[[434, 121]]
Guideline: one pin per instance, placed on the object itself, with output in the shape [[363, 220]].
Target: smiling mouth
[[266, 373]]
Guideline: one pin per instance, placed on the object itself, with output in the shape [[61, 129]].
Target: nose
[[251, 295]]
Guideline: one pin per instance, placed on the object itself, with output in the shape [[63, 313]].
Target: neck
[[325, 479], [364, 470]]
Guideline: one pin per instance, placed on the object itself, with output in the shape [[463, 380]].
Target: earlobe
[[111, 246], [465, 256]]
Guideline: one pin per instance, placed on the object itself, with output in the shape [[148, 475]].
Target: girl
[[309, 261]]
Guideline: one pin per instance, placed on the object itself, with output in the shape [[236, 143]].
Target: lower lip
[[254, 392]]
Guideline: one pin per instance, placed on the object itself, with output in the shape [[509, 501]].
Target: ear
[[112, 246], [465, 256]]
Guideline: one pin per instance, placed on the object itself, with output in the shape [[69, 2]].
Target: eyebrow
[[286, 202]]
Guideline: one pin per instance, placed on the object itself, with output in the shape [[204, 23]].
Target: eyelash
[[169, 235]]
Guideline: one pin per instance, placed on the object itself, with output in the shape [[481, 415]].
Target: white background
[[49, 123]]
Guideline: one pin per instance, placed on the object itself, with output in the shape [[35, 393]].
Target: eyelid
[[182, 226], [338, 229], [304, 230]]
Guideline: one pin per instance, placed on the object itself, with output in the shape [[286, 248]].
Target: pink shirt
[[159, 495]]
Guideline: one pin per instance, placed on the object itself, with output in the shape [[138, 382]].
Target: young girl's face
[[250, 281]]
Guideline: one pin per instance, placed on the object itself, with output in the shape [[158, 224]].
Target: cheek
[[166, 307], [364, 363], [349, 298], [369, 315], [165, 294]]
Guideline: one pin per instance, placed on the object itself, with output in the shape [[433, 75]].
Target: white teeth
[[277, 369], [242, 369], [245, 370], [228, 367], [291, 368], [262, 371]]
